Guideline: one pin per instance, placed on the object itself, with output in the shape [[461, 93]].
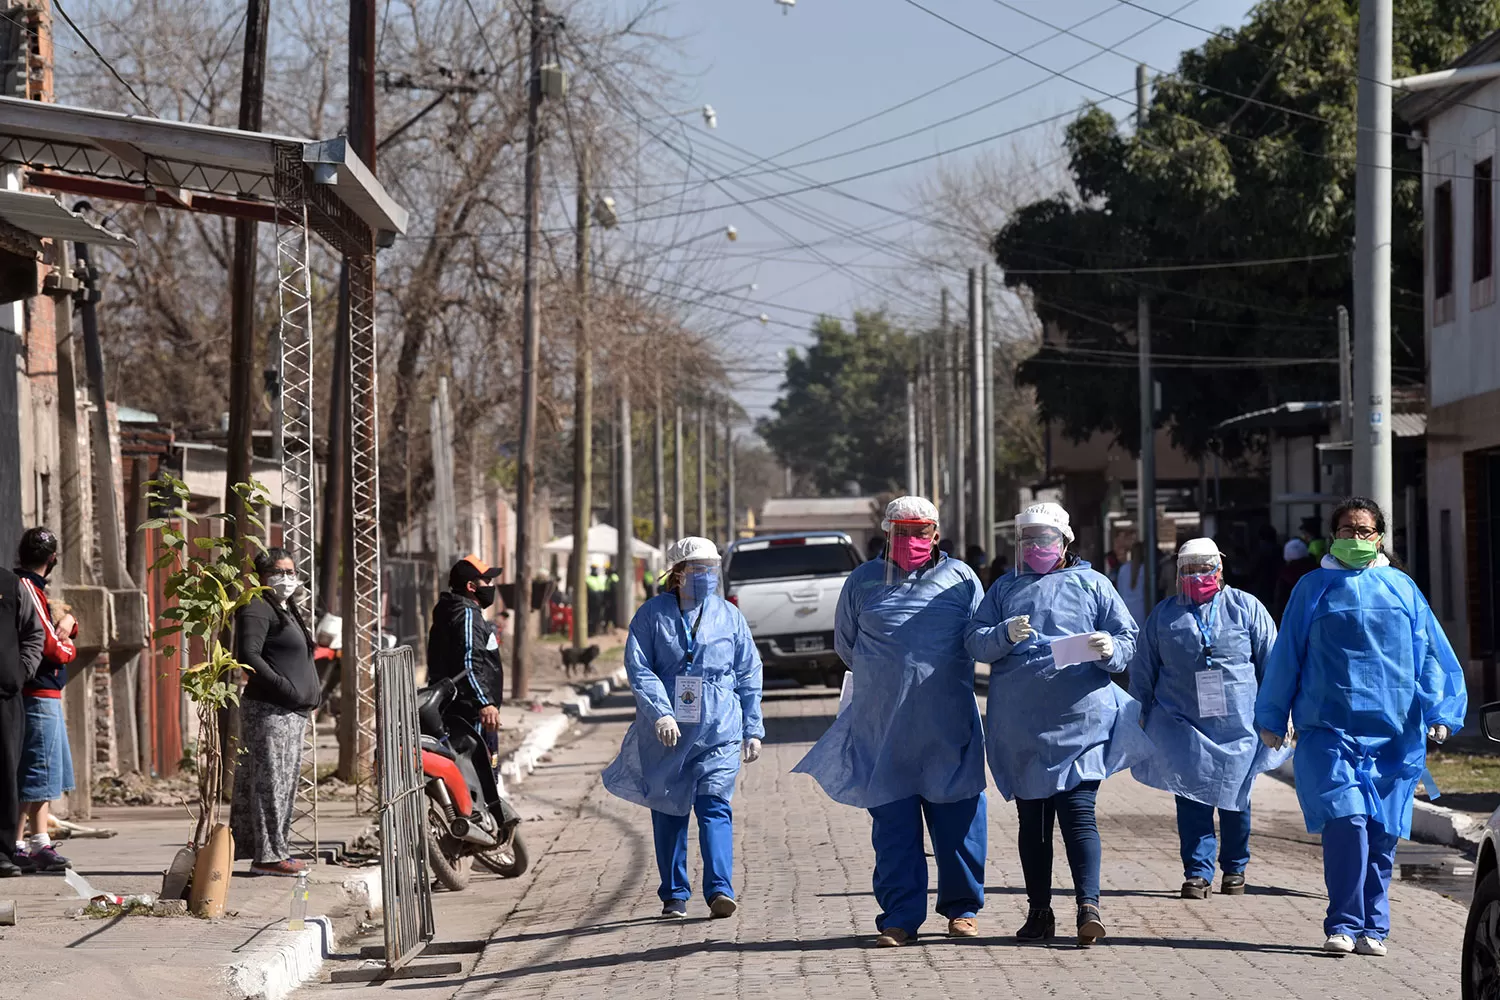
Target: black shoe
[[1090, 925], [1199, 888], [8, 867], [1233, 884], [23, 862], [1040, 925], [674, 909]]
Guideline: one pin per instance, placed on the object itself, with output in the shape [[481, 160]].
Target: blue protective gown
[[1049, 728], [912, 727], [706, 759], [1363, 669], [1213, 760]]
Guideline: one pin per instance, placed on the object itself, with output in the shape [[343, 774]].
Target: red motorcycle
[[468, 815]]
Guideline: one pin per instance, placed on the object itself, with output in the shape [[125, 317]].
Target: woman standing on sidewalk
[[910, 746], [1198, 663], [1367, 676], [282, 690], [1054, 729], [697, 682]]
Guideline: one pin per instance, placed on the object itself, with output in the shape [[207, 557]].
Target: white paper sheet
[[1071, 649], [846, 693]]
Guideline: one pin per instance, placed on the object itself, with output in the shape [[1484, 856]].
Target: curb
[[272, 972], [544, 736], [1430, 824]]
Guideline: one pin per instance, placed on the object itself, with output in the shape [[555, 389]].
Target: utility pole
[[953, 390], [625, 529], [929, 415], [976, 409], [1372, 258], [530, 351], [702, 470], [731, 521], [583, 417], [1346, 376], [1146, 480], [659, 471], [913, 487], [988, 539], [679, 500]]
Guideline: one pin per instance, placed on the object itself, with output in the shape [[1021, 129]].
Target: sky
[[781, 77]]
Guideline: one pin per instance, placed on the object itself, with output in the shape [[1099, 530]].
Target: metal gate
[[403, 808]]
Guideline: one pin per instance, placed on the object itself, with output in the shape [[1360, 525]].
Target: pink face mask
[[1042, 558], [1200, 588], [910, 551]]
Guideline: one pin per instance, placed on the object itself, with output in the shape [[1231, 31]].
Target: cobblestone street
[[585, 922]]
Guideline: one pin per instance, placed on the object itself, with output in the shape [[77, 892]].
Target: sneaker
[[1090, 925], [23, 861], [674, 909], [892, 937], [287, 868], [722, 906], [8, 868], [47, 859], [1197, 888], [1040, 925], [962, 927], [1370, 946], [1232, 884], [1339, 944]]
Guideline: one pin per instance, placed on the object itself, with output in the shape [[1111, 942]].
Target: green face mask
[[1355, 552]]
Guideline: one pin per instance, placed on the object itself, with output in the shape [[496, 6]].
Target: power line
[[107, 64], [1173, 268]]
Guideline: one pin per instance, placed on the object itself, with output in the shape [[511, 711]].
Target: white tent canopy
[[604, 540]]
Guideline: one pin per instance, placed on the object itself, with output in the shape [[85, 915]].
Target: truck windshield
[[778, 561]]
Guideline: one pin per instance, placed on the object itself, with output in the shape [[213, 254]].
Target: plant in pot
[[209, 581]]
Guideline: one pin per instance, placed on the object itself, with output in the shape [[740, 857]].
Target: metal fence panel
[[403, 808]]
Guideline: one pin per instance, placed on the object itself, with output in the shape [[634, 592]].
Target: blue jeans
[[1074, 812], [959, 837], [1200, 848], [1357, 857], [715, 840], [46, 769]]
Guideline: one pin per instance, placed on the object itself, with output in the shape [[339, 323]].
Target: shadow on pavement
[[796, 729], [1201, 944]]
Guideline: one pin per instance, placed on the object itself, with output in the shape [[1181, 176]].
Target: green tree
[[841, 416], [1247, 153]]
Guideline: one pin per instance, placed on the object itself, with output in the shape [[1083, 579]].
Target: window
[[1484, 218], [782, 561], [1442, 240]]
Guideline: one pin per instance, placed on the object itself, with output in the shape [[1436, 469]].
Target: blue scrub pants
[[1357, 857], [1195, 829], [959, 838], [715, 840], [1074, 812]]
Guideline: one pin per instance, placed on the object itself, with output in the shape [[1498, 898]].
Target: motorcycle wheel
[[445, 855], [508, 860]]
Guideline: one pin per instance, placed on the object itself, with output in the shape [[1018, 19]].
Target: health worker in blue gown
[[910, 747], [1054, 632], [697, 682], [1367, 676], [1198, 663]]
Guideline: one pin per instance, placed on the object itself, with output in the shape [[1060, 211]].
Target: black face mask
[[485, 596], [51, 565]]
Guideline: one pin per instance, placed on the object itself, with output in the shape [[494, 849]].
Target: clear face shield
[[700, 579], [909, 546], [1040, 549], [1199, 577]]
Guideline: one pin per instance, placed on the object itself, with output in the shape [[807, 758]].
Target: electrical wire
[[100, 56]]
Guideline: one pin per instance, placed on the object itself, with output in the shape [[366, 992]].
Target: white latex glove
[[1102, 643], [1437, 734], [1019, 629], [667, 731], [750, 751], [1271, 740]]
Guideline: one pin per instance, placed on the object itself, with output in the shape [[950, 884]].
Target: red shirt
[[57, 652]]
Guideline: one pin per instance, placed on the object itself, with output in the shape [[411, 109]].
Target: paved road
[[583, 924]]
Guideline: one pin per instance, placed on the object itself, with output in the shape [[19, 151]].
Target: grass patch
[[1455, 772]]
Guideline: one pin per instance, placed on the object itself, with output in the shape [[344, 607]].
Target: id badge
[[687, 706], [1212, 701]]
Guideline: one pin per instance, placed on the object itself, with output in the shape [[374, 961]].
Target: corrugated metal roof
[[43, 215], [1408, 425]]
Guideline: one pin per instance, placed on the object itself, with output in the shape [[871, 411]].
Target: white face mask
[[283, 585]]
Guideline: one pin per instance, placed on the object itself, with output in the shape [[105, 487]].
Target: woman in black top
[[274, 642]]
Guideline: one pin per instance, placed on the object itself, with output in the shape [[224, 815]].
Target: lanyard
[[692, 637], [1206, 627]]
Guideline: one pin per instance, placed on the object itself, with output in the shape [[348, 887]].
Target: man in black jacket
[[22, 639], [464, 646]]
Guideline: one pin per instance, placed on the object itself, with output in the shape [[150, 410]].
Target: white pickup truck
[[787, 587]]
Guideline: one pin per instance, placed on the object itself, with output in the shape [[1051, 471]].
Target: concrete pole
[[1146, 481], [679, 499], [953, 342], [731, 519], [988, 541], [624, 556], [702, 471], [1372, 258], [659, 471], [913, 484], [976, 412], [583, 415], [934, 436]]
